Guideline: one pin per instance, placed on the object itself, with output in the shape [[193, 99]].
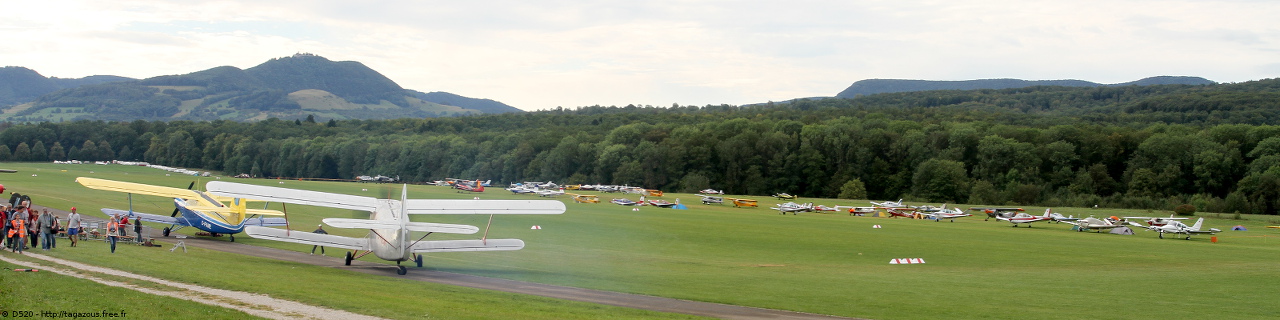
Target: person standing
[[4, 225], [124, 226], [137, 230], [73, 226], [45, 223], [18, 234], [319, 230], [32, 232], [113, 229]]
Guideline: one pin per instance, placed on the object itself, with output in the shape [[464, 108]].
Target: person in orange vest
[[18, 233], [113, 229]]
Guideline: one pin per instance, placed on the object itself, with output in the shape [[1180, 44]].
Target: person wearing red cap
[[73, 226]]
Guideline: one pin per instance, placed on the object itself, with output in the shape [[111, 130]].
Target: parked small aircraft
[[1059, 218], [660, 203], [1097, 224], [473, 186], [998, 212], [1177, 227], [198, 209], [793, 208], [889, 204], [1158, 221], [711, 199], [1024, 218], [623, 201], [784, 196], [711, 191], [948, 214], [389, 226], [905, 212]]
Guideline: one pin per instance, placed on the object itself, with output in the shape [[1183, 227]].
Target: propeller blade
[[192, 185]]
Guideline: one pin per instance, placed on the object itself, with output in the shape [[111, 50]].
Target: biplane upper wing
[[434, 206], [307, 238], [294, 196], [137, 188], [144, 216]]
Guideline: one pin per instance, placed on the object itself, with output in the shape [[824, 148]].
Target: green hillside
[[292, 87]]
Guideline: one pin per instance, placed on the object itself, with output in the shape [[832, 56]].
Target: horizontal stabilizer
[[293, 196], [433, 206], [266, 222], [144, 216], [309, 238], [261, 212], [412, 226], [468, 245]]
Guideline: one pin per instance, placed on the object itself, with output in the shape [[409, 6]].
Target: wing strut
[[485, 238]]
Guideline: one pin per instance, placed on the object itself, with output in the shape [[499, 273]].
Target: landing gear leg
[[233, 237], [348, 258]]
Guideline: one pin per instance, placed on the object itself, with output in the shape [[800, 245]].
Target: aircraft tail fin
[[1047, 212], [1199, 223]]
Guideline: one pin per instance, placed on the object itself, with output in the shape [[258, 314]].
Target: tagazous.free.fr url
[[61, 314]]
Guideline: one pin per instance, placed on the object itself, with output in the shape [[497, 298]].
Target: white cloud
[[572, 53]]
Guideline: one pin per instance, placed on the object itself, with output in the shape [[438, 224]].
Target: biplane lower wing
[[435, 206], [468, 245], [144, 216], [307, 238]]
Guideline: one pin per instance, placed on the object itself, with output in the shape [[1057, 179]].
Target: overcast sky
[[544, 54]]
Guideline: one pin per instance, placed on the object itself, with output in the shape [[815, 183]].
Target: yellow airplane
[[214, 214]]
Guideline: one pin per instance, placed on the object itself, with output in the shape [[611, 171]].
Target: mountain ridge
[[875, 86], [291, 87]]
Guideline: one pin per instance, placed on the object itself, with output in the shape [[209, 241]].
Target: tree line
[[1030, 146]]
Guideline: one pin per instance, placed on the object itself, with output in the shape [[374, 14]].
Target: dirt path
[[251, 303]]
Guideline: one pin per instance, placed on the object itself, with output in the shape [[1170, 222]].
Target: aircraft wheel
[[165, 232], [418, 259], [233, 237], [401, 270], [1188, 237], [1162, 235], [348, 258]]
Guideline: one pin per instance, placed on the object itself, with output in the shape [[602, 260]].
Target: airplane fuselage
[[389, 244]]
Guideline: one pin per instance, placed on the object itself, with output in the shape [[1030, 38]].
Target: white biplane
[[390, 230]]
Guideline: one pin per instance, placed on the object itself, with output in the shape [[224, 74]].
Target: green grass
[[48, 291], [820, 263]]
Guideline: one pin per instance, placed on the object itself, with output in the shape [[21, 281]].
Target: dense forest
[[1213, 146]]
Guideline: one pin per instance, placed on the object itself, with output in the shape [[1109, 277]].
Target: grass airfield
[[820, 263]]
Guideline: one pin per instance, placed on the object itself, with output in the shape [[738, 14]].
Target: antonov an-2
[[389, 227]]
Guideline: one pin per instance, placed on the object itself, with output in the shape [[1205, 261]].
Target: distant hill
[[484, 105], [288, 88], [874, 86], [21, 85]]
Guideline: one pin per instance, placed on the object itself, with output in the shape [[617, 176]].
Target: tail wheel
[[348, 258]]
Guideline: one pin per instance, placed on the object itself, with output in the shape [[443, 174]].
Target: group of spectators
[[21, 223]]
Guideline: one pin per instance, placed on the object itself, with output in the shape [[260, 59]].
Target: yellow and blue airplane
[[213, 214]]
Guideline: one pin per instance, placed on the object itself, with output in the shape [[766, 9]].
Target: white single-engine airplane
[[388, 223], [198, 209], [1097, 224], [947, 214], [889, 204], [1176, 227]]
